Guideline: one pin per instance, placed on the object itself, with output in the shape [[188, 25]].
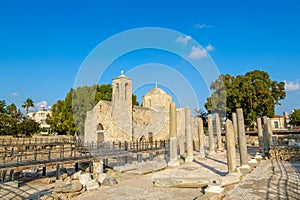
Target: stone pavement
[[135, 187], [270, 180]]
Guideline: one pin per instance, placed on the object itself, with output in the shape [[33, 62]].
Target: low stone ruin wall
[[287, 153]]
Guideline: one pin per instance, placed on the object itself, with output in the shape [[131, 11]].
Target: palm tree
[[27, 104]]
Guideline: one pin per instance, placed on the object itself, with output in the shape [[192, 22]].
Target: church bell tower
[[122, 103]]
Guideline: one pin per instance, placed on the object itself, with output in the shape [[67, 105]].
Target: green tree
[[255, 92], [3, 116], [27, 104], [28, 128], [203, 115], [295, 117], [10, 116], [14, 116]]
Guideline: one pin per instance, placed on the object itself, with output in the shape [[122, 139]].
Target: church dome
[[157, 98], [156, 91]]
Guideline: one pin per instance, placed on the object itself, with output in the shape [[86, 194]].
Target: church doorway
[[100, 133]]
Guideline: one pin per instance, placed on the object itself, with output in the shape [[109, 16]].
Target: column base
[[215, 189], [189, 159], [173, 163], [201, 154], [245, 169]]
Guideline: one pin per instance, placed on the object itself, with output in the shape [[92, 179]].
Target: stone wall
[[150, 120]]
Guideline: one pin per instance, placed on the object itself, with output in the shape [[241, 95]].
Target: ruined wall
[[153, 120]]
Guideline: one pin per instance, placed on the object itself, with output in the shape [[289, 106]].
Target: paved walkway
[[270, 180]]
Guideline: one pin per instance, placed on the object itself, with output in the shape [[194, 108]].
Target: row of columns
[[235, 134], [175, 142], [236, 131]]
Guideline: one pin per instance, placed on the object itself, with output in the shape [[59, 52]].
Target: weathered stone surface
[[173, 152], [98, 167], [218, 130], [159, 165], [92, 184], [69, 188], [214, 189], [101, 177], [126, 167], [84, 178], [287, 153], [181, 182], [235, 126], [230, 141], [260, 135], [144, 168], [253, 163], [76, 175], [189, 136], [210, 135], [49, 197], [242, 138], [210, 196], [226, 180], [201, 138], [149, 167], [109, 181]]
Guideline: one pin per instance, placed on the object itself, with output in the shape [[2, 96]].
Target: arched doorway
[[100, 133]]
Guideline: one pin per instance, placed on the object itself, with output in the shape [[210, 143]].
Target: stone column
[[230, 144], [242, 139], [260, 135], [189, 136], [173, 133], [201, 138], [266, 135], [210, 135], [270, 133], [218, 130], [235, 126], [181, 134]]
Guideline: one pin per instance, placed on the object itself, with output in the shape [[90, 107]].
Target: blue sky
[[44, 43]]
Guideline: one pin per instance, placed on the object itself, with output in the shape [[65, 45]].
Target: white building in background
[[41, 116], [280, 122]]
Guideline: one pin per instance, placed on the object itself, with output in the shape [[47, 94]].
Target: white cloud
[[38, 105], [15, 94], [202, 26], [198, 53], [183, 39], [209, 47], [292, 85]]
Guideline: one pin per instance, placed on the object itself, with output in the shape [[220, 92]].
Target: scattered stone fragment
[[84, 178], [181, 182], [69, 188], [101, 177], [92, 184], [109, 181]]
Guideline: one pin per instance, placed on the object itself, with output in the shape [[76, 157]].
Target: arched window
[[100, 127], [126, 90]]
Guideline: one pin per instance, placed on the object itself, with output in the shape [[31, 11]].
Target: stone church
[[118, 120]]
